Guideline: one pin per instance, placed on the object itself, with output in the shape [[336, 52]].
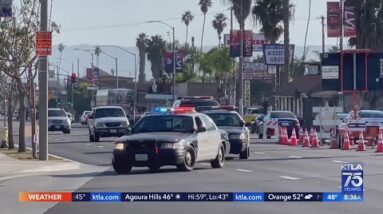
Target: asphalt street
[[271, 168]]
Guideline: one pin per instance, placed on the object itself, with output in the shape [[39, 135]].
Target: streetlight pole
[[43, 89], [92, 65], [135, 76], [174, 55], [116, 64]]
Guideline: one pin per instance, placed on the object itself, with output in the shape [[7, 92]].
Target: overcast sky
[[120, 21]]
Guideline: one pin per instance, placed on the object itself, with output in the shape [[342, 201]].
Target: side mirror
[[201, 129]]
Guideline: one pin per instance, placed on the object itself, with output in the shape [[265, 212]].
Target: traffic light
[[73, 78]]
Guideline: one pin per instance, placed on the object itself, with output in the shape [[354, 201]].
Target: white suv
[[107, 121], [58, 120]]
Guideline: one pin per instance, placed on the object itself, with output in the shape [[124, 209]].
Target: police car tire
[[121, 169], [183, 166], [96, 137], [154, 168], [219, 161]]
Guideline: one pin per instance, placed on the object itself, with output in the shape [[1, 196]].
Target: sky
[[118, 22]]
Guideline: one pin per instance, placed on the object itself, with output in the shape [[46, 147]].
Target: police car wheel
[[154, 168], [189, 160], [121, 168], [219, 161], [96, 137]]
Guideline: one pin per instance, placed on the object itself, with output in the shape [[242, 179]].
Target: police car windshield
[[371, 114], [225, 119], [164, 123], [56, 113], [282, 114], [109, 112]]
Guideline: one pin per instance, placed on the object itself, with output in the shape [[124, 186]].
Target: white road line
[[100, 146], [205, 164], [259, 153], [297, 157], [244, 170], [289, 178], [338, 161], [88, 144]]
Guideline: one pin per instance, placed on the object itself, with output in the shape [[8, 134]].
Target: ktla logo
[[353, 177]]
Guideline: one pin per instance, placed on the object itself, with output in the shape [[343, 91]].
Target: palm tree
[[269, 14], [219, 23], [155, 49], [187, 17], [141, 42], [241, 10], [286, 34], [97, 52], [205, 5]]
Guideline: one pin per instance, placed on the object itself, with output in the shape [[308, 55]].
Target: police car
[[233, 124], [275, 119], [179, 137]]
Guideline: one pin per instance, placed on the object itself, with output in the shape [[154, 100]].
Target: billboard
[[334, 20], [258, 41], [92, 75], [256, 71], [6, 8], [274, 54], [235, 43]]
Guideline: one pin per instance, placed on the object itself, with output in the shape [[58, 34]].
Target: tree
[[219, 23], [17, 39], [241, 10], [287, 14], [82, 98], [187, 17], [97, 52], [155, 49], [269, 14], [141, 42], [204, 5]]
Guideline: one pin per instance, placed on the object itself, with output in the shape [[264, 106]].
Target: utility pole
[[323, 35], [174, 65], [43, 89], [234, 75], [116, 60], [341, 25], [78, 67], [240, 70]]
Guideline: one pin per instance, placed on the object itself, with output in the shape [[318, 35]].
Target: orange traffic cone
[[361, 145], [306, 140], [311, 136], [346, 142], [315, 143], [379, 145], [301, 136], [285, 137], [293, 139], [334, 143]]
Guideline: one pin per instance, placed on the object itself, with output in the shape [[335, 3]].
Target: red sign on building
[[44, 43]]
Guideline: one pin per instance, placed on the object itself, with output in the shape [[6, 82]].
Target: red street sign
[[44, 43]]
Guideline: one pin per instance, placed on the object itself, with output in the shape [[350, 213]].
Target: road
[[271, 168]]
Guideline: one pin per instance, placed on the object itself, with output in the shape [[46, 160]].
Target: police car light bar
[[173, 110], [229, 108], [195, 97]]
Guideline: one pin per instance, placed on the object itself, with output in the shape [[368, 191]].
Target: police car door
[[214, 137], [202, 141]]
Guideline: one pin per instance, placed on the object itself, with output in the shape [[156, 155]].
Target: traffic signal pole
[[43, 89]]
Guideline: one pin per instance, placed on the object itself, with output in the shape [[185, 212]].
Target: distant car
[[200, 103], [84, 117], [251, 114], [275, 119], [179, 137], [233, 124], [107, 121], [70, 116], [58, 120]]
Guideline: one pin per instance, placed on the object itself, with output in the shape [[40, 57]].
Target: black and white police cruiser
[[179, 137]]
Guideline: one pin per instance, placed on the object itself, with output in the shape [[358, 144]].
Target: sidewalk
[[12, 168]]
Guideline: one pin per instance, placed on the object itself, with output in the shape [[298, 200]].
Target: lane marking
[[338, 161], [244, 170], [88, 144], [259, 153], [289, 178], [100, 146], [296, 157], [205, 164]]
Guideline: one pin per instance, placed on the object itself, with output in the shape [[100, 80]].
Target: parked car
[[251, 114], [275, 119]]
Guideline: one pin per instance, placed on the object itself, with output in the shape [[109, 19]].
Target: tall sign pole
[[43, 89]]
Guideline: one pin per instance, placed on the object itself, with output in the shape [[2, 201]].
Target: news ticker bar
[[188, 197]]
